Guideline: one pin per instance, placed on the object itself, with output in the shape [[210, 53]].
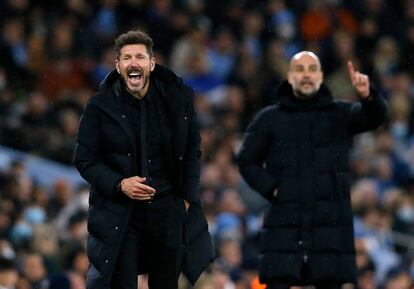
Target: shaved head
[[298, 56], [305, 74]]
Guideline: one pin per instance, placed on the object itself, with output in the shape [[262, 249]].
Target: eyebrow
[[134, 54]]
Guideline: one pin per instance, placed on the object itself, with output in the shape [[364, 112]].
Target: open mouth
[[135, 76], [307, 83]]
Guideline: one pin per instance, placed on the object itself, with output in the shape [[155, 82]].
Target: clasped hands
[[136, 189]]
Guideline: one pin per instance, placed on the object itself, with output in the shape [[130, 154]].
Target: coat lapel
[[111, 102]]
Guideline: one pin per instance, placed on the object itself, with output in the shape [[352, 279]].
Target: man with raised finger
[[138, 146], [295, 154]]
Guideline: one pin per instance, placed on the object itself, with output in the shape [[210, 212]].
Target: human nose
[[306, 73], [134, 61]]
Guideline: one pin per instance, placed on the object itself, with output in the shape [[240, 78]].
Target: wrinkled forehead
[[306, 59]]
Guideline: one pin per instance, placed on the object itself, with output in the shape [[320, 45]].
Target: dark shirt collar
[[149, 97]]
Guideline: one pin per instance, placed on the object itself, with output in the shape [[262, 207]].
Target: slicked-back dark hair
[[133, 37]]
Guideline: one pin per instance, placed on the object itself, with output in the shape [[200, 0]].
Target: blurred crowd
[[234, 53]]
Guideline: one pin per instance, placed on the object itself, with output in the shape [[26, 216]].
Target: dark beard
[[125, 80]]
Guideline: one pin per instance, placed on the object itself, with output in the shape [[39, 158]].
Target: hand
[[136, 189], [360, 81], [187, 205]]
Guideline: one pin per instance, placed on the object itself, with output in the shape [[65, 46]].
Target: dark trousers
[[152, 244]]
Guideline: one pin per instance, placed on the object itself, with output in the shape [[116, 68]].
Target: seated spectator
[[8, 274]]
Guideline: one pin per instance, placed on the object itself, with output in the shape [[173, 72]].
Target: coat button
[[123, 116], [116, 227], [185, 118], [181, 158], [300, 243], [106, 261], [129, 154]]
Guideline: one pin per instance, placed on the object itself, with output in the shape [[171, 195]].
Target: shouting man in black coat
[[138, 146], [295, 154]]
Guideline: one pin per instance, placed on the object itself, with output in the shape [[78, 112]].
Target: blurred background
[[234, 53]]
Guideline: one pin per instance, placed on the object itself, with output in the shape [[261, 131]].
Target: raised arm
[[370, 112]]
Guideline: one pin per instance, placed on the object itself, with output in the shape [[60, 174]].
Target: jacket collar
[[111, 87], [288, 100], [110, 97]]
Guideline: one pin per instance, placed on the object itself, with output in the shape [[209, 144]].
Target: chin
[[309, 93], [134, 89]]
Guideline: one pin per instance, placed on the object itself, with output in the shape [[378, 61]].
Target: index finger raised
[[351, 69]]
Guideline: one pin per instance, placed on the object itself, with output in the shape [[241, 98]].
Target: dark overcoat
[[105, 153], [302, 150]]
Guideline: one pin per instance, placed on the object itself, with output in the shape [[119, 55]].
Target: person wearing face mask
[[138, 146], [295, 154]]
